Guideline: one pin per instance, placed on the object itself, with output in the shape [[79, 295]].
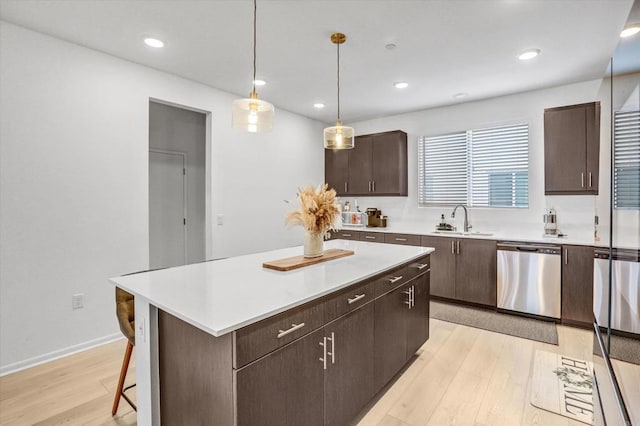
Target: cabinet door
[[390, 351], [476, 274], [443, 266], [360, 167], [577, 284], [349, 375], [565, 150], [285, 387], [418, 315], [336, 169], [389, 163]]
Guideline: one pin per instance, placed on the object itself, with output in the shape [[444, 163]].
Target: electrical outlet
[[77, 301], [220, 219]]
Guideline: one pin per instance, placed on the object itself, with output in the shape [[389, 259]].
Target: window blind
[[442, 169], [626, 160], [499, 159], [484, 167]]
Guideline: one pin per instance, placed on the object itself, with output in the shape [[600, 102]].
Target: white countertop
[[224, 295], [534, 235]]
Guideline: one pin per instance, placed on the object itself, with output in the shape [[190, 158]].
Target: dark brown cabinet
[[376, 166], [463, 269], [348, 379], [443, 266], [401, 327], [577, 284], [284, 387], [572, 149]]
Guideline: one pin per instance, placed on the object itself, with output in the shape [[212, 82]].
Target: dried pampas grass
[[319, 211]]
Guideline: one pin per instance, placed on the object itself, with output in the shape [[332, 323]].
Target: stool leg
[[123, 375]]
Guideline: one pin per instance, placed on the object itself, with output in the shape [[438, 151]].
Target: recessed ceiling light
[[630, 30], [529, 54], [153, 42], [390, 46], [259, 82], [460, 95], [318, 105], [401, 85]]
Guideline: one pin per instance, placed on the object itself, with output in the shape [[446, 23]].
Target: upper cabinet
[[572, 149], [376, 166]]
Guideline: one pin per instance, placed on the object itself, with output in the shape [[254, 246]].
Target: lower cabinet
[[333, 365], [284, 387], [401, 327], [577, 284], [443, 266]]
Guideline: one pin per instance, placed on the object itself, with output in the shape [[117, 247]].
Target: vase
[[313, 245]]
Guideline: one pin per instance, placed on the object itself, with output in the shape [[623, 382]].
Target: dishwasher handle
[[530, 248]]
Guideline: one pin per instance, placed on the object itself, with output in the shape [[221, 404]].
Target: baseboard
[[61, 353]]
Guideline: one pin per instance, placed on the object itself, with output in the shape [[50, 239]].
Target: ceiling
[[443, 47]]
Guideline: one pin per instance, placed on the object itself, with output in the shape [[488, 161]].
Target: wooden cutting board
[[296, 262]]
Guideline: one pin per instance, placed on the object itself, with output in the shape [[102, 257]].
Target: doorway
[[177, 189]]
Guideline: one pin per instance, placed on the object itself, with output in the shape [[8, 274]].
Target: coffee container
[[550, 220]]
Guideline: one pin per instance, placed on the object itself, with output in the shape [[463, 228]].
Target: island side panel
[[146, 356], [196, 374]]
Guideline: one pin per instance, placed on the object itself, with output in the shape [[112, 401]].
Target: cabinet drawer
[[347, 235], [372, 237], [391, 281], [406, 239], [418, 267], [348, 300], [259, 339]]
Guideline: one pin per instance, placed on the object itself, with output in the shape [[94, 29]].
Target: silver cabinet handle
[[324, 353], [294, 327], [582, 179], [590, 180], [458, 247], [369, 186], [413, 296], [401, 239], [394, 279], [373, 185], [355, 298], [346, 187], [566, 256], [369, 237], [346, 235], [453, 250], [419, 266], [333, 348]]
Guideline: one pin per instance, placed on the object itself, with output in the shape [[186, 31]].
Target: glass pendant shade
[[252, 114], [338, 137]]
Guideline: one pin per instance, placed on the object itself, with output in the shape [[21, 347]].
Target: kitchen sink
[[470, 233]]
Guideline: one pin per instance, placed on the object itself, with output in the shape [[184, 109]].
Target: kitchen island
[[230, 342]]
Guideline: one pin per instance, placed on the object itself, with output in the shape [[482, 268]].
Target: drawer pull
[[346, 235], [369, 237], [294, 327], [401, 239], [355, 298], [420, 266], [394, 279]]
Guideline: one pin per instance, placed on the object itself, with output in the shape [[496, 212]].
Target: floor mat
[[513, 325], [563, 385]]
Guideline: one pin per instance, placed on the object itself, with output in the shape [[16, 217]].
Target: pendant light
[[338, 136], [252, 114]]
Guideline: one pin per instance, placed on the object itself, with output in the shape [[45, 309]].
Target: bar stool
[[126, 314]]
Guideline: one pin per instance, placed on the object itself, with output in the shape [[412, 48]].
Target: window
[[626, 160], [484, 167]]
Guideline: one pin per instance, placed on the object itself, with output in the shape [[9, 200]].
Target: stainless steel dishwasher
[[625, 285], [529, 278]]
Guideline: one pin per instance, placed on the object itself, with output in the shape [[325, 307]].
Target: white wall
[[575, 213], [74, 185]]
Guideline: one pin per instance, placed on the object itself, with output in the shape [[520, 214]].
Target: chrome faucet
[[466, 217]]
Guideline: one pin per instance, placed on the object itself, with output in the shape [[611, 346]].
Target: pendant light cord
[[338, 44], [255, 8]]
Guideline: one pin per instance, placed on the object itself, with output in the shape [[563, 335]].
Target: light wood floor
[[462, 376]]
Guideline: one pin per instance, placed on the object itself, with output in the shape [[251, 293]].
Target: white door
[[167, 232]]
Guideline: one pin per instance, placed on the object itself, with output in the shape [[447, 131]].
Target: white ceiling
[[443, 46]]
